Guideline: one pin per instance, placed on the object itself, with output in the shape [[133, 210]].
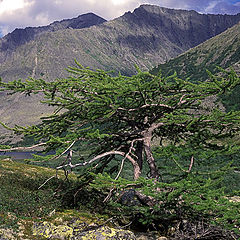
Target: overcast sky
[[23, 13]]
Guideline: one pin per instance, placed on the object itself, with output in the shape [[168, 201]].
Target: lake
[[20, 155]]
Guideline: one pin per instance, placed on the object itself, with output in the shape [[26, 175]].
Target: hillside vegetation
[[221, 51]]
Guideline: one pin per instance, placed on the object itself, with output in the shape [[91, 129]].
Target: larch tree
[[122, 115]]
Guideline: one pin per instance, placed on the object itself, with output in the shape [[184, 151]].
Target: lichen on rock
[[105, 233], [50, 231]]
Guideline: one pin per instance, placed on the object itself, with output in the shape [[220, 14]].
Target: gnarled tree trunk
[[149, 156]]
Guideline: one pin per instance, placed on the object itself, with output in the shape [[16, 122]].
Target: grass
[[20, 196], [22, 203]]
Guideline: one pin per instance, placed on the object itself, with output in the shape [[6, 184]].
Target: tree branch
[[56, 157], [46, 181], [22, 148], [145, 106], [191, 165], [129, 152], [99, 157]]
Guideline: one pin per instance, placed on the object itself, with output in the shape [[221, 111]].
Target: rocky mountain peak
[[21, 36], [185, 29]]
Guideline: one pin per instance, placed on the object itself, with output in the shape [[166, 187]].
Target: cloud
[[23, 13], [203, 6], [224, 7], [37, 13]]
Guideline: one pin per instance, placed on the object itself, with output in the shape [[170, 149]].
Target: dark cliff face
[[21, 36], [184, 28]]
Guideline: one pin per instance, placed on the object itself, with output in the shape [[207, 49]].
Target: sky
[[31, 13]]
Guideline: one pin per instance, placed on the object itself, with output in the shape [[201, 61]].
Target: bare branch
[[146, 106], [181, 101], [121, 167], [46, 181], [108, 196], [99, 157], [129, 152], [182, 169], [22, 148], [153, 127], [191, 165], [56, 157]]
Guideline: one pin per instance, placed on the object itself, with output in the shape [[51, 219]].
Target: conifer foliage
[[120, 115]]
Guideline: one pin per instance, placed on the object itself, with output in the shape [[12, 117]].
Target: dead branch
[[98, 157], [108, 196], [191, 164], [22, 148], [129, 152], [46, 181], [56, 157], [146, 106], [181, 168]]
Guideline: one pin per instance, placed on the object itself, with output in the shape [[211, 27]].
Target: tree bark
[[139, 154], [149, 156]]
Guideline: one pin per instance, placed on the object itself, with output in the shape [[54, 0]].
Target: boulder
[[50, 231], [105, 233]]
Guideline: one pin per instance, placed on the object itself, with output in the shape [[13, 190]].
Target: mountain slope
[[147, 36], [222, 50], [21, 36]]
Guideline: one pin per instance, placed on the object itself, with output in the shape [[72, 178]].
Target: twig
[[46, 181], [191, 165], [56, 157], [108, 196]]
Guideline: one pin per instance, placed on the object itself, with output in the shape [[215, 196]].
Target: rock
[[149, 236], [105, 233], [50, 231], [129, 198], [7, 234]]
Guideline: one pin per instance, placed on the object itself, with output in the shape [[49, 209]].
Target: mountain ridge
[[21, 36], [147, 36], [223, 50]]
